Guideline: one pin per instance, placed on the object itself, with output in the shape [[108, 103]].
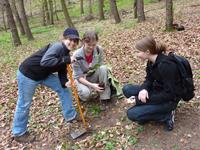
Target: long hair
[[149, 43]]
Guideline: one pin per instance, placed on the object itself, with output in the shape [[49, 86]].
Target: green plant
[[140, 129], [95, 110], [109, 146], [133, 140]]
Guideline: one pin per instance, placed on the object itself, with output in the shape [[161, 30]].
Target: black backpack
[[187, 85]]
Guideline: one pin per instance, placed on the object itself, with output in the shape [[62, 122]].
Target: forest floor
[[112, 129]]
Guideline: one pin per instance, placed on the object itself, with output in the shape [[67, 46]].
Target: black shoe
[[170, 122], [25, 138]]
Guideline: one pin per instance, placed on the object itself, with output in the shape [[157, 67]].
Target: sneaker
[[25, 138], [76, 119], [170, 122]]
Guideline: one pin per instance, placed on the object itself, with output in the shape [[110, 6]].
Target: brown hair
[[149, 43], [90, 36]]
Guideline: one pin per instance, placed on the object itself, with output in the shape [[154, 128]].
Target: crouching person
[[91, 76], [39, 69], [155, 99]]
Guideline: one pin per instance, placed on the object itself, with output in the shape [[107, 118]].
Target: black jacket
[[50, 59], [162, 80]]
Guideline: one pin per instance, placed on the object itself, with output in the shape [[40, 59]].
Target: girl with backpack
[[155, 99]]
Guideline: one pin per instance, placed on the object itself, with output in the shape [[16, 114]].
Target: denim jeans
[[147, 112], [26, 90]]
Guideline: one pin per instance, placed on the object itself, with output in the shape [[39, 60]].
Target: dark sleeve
[[54, 56], [62, 74], [168, 72], [148, 79]]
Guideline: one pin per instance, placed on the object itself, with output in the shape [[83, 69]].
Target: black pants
[[147, 112]]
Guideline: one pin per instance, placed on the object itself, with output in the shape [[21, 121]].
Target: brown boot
[[25, 138]]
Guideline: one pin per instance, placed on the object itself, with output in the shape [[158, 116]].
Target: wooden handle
[[75, 93]]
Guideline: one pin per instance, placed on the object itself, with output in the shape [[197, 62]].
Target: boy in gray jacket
[[91, 76]]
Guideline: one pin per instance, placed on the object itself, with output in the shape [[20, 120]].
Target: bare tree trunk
[[46, 12], [140, 10], [90, 8], [101, 12], [11, 22], [43, 14], [17, 18], [30, 5], [3, 17], [135, 8], [56, 10], [51, 11], [114, 10], [169, 14], [66, 14], [81, 6], [24, 19]]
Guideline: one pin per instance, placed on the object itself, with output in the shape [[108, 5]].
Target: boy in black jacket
[[39, 68], [155, 99]]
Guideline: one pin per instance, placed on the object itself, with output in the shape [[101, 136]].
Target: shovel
[[79, 132]]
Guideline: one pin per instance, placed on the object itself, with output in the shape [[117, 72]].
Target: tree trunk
[[90, 8], [11, 22], [81, 6], [56, 10], [43, 14], [47, 17], [51, 11], [169, 14], [140, 10], [30, 5], [3, 17], [135, 8], [114, 10], [24, 19], [66, 14], [101, 12], [17, 18]]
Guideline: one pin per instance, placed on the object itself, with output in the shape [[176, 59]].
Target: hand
[[68, 84], [131, 100], [97, 88], [143, 95], [73, 59]]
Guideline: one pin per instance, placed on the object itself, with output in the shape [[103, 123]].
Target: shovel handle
[[75, 93]]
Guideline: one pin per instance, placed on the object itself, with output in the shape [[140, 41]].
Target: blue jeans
[[147, 112], [26, 90]]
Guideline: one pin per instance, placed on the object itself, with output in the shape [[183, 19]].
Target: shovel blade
[[78, 133]]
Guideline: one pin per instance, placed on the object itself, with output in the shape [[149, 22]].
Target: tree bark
[[169, 14], [81, 6], [3, 17], [140, 10], [24, 19], [135, 8], [51, 12], [11, 22], [66, 14], [17, 18], [114, 10], [90, 8], [56, 10], [43, 14], [101, 12], [47, 16]]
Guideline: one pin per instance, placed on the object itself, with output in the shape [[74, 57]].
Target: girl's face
[[142, 55], [71, 44], [89, 47]]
